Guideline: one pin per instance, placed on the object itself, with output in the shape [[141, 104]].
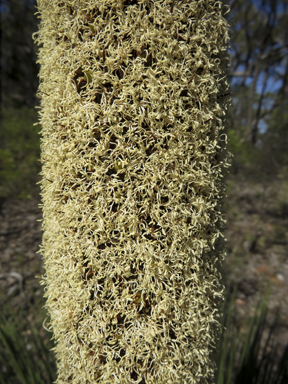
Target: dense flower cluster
[[133, 96]]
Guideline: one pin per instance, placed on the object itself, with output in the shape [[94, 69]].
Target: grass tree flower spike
[[133, 98]]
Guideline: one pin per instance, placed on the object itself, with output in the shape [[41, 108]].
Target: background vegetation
[[256, 207]]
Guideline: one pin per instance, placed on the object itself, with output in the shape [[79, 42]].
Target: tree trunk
[[133, 96]]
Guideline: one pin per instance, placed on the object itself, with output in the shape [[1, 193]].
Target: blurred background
[[256, 206]]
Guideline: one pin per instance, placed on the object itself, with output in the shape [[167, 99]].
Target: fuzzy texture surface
[[133, 97]]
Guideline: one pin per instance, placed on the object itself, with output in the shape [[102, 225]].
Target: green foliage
[[240, 150], [19, 69], [19, 153], [275, 140], [282, 198], [241, 359], [24, 352]]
